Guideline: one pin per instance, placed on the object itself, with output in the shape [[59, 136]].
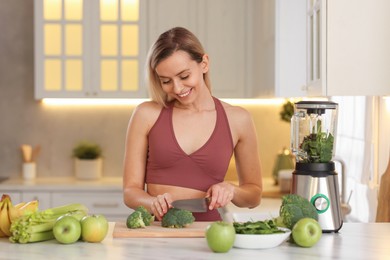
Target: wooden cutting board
[[196, 229]]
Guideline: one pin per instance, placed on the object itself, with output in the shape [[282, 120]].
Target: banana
[[19, 205], [14, 213], [22, 209], [5, 222], [1, 232], [9, 212]]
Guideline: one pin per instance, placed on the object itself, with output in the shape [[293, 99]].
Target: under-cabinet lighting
[[135, 101], [387, 102], [254, 101], [92, 101]]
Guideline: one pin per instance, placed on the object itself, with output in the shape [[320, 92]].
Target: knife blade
[[193, 205]]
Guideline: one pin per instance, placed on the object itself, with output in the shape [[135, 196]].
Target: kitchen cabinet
[[44, 198], [280, 48], [110, 204], [348, 47], [103, 196], [89, 49], [82, 52], [226, 30]]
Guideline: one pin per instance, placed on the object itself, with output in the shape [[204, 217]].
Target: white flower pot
[[88, 169]]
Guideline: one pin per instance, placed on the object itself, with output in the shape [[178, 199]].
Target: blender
[[313, 132]]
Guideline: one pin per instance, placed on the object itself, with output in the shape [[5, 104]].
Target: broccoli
[[146, 216], [293, 208], [177, 218], [134, 220], [139, 218]]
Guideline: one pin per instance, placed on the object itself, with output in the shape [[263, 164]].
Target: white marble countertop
[[354, 241]]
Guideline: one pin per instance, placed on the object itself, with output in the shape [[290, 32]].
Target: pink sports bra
[[168, 164]]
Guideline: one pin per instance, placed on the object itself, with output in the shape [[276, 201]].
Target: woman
[[179, 145]]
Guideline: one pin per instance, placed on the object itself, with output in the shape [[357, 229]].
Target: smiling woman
[[180, 143]]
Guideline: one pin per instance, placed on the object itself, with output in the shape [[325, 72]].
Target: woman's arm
[[248, 192], [136, 148]]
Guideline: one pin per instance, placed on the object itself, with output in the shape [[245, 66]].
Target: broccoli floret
[[177, 218], [134, 220], [139, 218], [146, 216], [293, 208]]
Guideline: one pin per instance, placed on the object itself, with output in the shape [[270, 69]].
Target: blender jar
[[313, 131]]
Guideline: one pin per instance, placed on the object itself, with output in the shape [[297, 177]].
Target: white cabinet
[[89, 49], [99, 201], [166, 14], [348, 47], [44, 198], [110, 204], [226, 30], [17, 196], [280, 48]]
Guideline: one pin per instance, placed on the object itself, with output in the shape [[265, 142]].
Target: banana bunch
[[10, 212]]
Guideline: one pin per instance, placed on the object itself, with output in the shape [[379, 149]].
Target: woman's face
[[181, 77]]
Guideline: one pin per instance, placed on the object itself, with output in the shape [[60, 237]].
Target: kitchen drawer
[[43, 198], [109, 204]]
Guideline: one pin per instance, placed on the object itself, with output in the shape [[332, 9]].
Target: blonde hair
[[173, 40]]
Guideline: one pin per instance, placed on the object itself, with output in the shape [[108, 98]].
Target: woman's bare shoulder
[[146, 112], [236, 113], [148, 107]]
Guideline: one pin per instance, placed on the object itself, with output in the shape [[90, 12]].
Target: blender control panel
[[320, 202]]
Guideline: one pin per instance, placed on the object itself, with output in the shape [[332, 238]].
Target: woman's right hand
[[161, 204]]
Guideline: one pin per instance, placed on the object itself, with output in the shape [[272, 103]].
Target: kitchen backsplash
[[58, 128]]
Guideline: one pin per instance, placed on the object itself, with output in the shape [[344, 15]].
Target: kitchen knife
[[193, 205]]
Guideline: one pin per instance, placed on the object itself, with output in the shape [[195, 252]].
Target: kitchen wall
[[58, 128]]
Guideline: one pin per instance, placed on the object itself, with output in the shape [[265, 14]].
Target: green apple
[[94, 228], [306, 232], [67, 229], [220, 236]]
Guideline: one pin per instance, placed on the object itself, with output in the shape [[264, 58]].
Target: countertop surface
[[354, 241]]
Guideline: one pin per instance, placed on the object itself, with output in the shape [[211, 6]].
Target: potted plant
[[88, 160], [284, 159]]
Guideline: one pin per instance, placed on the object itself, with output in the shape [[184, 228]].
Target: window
[[88, 48], [356, 146]]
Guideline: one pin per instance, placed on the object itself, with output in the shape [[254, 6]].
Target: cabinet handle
[[105, 205]]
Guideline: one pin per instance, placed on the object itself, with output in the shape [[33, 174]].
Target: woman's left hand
[[220, 194]]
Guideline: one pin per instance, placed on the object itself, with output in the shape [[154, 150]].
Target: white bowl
[[261, 241]]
